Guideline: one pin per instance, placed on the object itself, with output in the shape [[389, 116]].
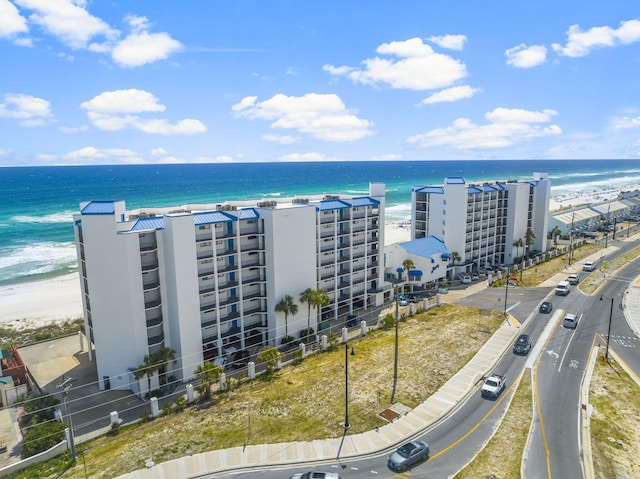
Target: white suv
[[589, 266], [570, 321]]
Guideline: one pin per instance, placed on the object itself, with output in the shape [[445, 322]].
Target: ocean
[[37, 203]]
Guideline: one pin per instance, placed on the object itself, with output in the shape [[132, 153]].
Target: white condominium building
[[201, 279], [486, 224]]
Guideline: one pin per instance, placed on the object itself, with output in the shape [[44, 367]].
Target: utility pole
[[395, 360], [571, 239], [66, 384]]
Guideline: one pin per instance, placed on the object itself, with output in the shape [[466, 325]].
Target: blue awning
[[415, 272], [445, 256], [399, 270]]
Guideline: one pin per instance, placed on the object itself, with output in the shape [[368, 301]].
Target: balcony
[[155, 340], [150, 285], [154, 303], [152, 322]]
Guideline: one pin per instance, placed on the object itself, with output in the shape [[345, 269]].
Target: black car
[[522, 345], [407, 455], [240, 359], [352, 320], [546, 307]]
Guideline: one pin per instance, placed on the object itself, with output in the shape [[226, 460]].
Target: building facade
[[482, 223], [204, 279]]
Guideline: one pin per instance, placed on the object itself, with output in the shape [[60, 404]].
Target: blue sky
[[168, 81]]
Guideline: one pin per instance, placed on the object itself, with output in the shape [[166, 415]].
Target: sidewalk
[[423, 416]]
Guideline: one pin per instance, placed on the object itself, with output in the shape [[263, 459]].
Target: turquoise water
[[37, 203]]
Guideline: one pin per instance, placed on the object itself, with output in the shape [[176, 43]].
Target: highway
[[557, 361]]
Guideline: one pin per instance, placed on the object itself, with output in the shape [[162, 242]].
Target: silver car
[[570, 321], [408, 455]]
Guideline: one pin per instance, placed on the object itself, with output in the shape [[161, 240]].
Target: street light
[[66, 384], [395, 359], [606, 353], [346, 385]]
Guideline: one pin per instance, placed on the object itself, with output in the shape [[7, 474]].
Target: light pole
[[395, 359], [346, 385], [606, 353], [66, 384], [506, 292]]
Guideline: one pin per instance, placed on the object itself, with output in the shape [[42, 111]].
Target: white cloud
[[451, 94], [523, 56], [113, 155], [452, 42], [4, 151], [159, 152], [281, 139], [323, 116], [388, 157], [306, 157], [27, 109], [215, 159], [142, 47], [581, 42], [119, 109], [626, 122], [67, 20], [73, 129], [11, 22], [415, 67], [506, 127]]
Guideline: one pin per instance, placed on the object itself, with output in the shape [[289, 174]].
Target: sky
[[206, 81]]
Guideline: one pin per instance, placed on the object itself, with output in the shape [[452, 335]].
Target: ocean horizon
[[36, 231]]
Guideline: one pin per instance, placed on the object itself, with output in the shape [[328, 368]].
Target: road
[[558, 361]]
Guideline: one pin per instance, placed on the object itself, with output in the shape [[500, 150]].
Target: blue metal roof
[[98, 208], [248, 214], [365, 201], [454, 180], [212, 217], [153, 223], [473, 190], [415, 272], [430, 189], [333, 205], [425, 247]]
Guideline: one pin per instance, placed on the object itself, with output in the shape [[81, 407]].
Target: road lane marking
[[484, 418], [573, 335]]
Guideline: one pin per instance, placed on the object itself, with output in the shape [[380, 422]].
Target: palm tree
[[529, 236], [518, 244], [148, 367], [163, 358], [207, 374], [555, 232], [288, 307], [270, 356], [408, 264], [455, 257], [314, 299]]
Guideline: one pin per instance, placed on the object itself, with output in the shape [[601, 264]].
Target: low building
[[429, 256]]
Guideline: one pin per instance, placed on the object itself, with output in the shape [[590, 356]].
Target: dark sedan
[[408, 455], [522, 345], [546, 307]]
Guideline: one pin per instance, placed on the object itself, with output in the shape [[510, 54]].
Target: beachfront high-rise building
[[202, 279], [483, 222]]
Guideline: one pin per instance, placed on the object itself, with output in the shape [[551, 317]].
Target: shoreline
[[33, 304]]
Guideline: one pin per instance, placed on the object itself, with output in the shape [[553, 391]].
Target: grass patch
[[305, 401], [616, 417], [502, 456]]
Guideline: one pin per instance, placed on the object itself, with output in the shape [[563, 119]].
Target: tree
[[41, 437], [162, 358], [555, 232], [529, 236], [455, 257], [270, 356], [407, 265], [207, 374], [314, 299], [288, 307], [518, 244], [148, 367]]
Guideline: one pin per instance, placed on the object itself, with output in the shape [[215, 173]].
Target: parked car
[[464, 277], [240, 359], [408, 455], [412, 298], [546, 307], [570, 321], [522, 344], [475, 276], [316, 475], [352, 320]]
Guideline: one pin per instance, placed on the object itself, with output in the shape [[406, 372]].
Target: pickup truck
[[493, 386]]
